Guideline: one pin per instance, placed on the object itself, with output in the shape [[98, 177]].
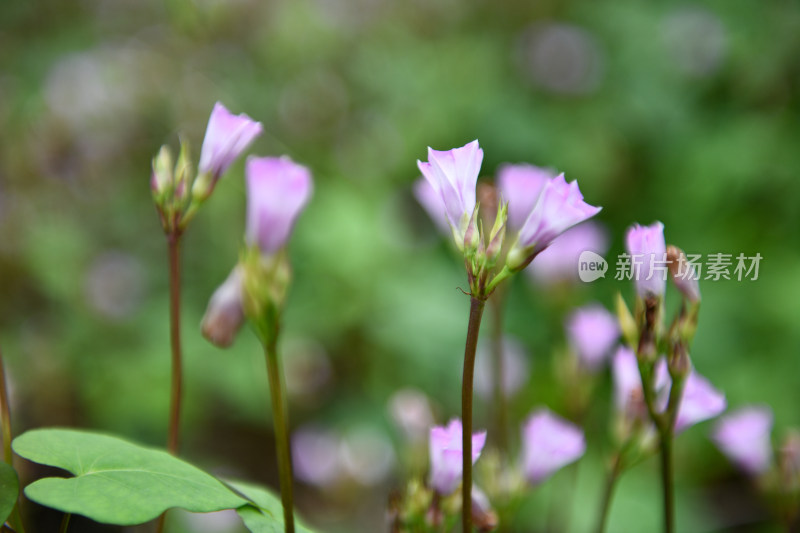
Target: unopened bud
[[202, 187], [183, 173], [224, 315], [678, 362], [483, 516], [683, 274], [472, 236], [627, 324], [497, 235], [162, 181]]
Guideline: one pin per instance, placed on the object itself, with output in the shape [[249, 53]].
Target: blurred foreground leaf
[[9, 490], [265, 515], [117, 482]]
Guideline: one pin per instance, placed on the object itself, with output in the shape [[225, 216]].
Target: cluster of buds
[[530, 208], [177, 191], [674, 395]]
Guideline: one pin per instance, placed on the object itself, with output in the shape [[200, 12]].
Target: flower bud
[[183, 173], [683, 274], [497, 235], [483, 516], [626, 322], [472, 236], [224, 315], [162, 181]]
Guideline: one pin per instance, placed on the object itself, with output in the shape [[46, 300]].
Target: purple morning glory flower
[[592, 332], [744, 437], [549, 443], [446, 455], [648, 251], [277, 190], [559, 261], [453, 174], [558, 207], [227, 136]]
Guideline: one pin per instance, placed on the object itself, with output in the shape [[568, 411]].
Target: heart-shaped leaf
[[265, 513], [9, 490], [117, 482]]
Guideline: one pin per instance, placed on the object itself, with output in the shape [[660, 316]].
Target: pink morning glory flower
[[446, 455], [592, 332], [648, 252], [431, 201], [549, 443], [558, 206], [559, 261], [453, 175], [227, 136], [744, 437], [277, 190]]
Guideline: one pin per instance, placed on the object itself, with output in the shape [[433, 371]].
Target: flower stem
[[668, 483], [64, 523], [173, 242], [280, 419], [608, 493], [5, 422], [475, 314]]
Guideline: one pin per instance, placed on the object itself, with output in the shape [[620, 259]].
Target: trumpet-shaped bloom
[[431, 200], [559, 261], [453, 174], [549, 443], [744, 437], [227, 136], [592, 332], [558, 206], [648, 252], [277, 190], [446, 455]]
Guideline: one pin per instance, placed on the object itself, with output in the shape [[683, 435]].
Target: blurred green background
[[688, 113]]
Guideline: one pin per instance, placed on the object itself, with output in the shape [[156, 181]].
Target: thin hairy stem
[[173, 241], [280, 419]]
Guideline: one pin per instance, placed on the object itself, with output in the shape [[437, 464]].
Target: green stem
[[64, 523], [5, 415], [667, 482], [498, 373], [5, 422], [280, 419], [475, 314], [173, 241], [608, 493]]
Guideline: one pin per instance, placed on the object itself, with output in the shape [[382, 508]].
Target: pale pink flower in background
[[446, 455], [744, 437], [516, 369], [559, 261], [453, 175], [700, 401], [227, 136], [224, 315], [520, 186], [592, 331], [648, 251], [277, 191], [549, 442]]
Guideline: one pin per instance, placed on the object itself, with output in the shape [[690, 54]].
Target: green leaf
[[265, 513], [9, 490], [117, 482]]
